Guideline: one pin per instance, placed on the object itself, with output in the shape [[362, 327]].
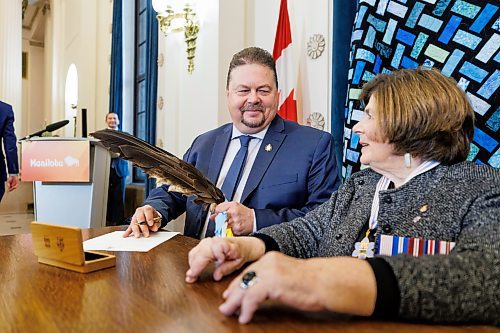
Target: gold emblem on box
[[62, 246]]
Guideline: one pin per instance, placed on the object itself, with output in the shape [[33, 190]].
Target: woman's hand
[[229, 254], [344, 285]]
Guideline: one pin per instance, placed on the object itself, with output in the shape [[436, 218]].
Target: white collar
[[259, 135], [383, 184]]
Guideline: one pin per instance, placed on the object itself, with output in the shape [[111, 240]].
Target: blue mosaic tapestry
[[460, 38]]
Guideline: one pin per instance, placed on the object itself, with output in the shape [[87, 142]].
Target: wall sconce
[[172, 21]]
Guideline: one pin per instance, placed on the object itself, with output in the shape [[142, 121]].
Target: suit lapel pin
[[268, 147]]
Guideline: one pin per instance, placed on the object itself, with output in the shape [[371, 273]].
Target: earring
[[407, 157]]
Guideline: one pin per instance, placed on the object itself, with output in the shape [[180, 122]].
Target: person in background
[[286, 169], [426, 221], [118, 173], [9, 172]]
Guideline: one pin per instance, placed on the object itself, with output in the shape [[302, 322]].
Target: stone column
[[10, 57]]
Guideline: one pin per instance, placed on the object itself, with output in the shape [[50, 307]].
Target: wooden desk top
[[146, 292]]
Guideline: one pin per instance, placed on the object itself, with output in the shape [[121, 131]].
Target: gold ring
[[157, 220]]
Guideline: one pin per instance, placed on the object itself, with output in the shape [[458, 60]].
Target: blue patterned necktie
[[236, 169], [233, 176]]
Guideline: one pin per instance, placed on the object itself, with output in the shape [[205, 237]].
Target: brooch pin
[[364, 249], [268, 147], [422, 210]]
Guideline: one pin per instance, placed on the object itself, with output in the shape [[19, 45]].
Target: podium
[[70, 180]]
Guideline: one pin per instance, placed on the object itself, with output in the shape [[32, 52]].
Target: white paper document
[[114, 241]]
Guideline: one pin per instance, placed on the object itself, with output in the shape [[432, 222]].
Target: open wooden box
[[62, 246]]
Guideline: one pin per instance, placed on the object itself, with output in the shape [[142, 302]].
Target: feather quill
[[164, 166]]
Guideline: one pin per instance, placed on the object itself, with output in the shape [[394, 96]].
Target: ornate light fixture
[[172, 21], [25, 6]]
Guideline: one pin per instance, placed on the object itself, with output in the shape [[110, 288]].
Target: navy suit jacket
[[121, 168], [8, 138], [298, 174]]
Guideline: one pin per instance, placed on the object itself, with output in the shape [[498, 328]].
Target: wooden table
[[146, 292]]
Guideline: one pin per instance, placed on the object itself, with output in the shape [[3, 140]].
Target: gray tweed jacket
[[463, 206]]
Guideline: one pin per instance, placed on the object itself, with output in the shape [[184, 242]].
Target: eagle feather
[[164, 166]]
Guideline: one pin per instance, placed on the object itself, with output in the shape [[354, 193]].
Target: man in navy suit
[[290, 169], [115, 214], [10, 147]]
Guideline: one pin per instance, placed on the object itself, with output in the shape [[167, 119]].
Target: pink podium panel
[[55, 161]]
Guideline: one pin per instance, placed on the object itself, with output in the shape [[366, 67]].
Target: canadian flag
[[283, 56]]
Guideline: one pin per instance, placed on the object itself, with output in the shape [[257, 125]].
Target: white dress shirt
[[232, 150]]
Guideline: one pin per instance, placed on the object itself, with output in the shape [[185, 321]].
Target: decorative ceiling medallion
[[315, 46], [161, 60], [159, 104], [316, 120]]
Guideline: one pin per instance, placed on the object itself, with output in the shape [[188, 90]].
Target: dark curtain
[[116, 79], [343, 19], [151, 84]]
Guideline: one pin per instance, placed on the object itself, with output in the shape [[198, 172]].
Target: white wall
[[103, 34], [33, 92], [78, 32], [193, 104], [128, 17], [196, 103], [306, 19], [10, 59], [233, 37]]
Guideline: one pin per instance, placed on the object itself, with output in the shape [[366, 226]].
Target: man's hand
[[240, 218], [229, 254], [137, 226], [12, 183]]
